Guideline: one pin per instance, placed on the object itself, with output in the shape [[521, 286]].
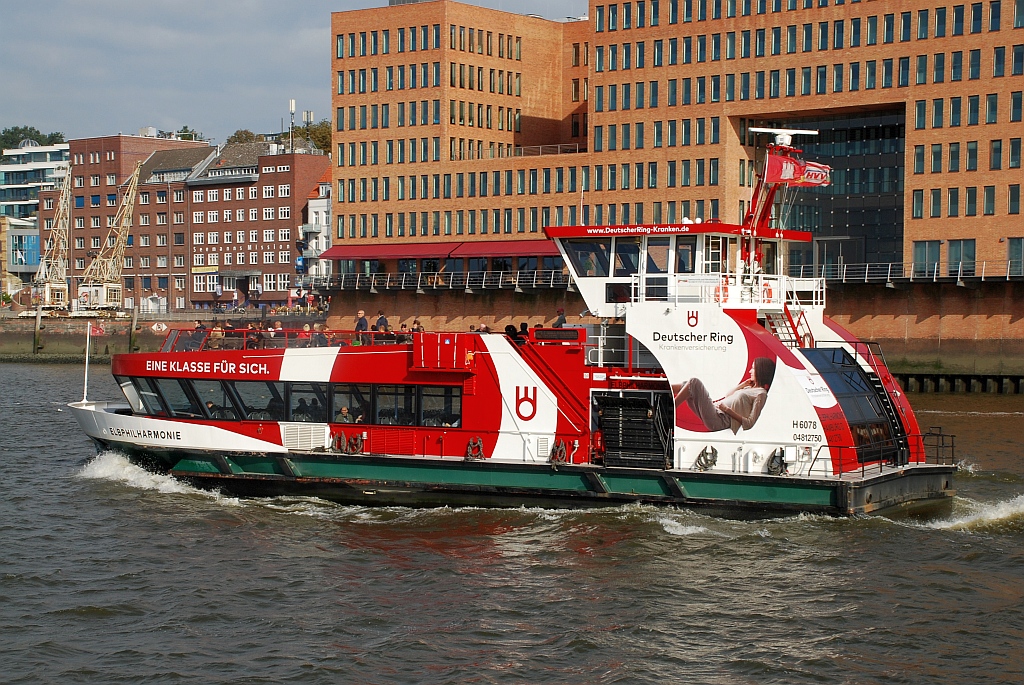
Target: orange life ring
[[84, 298], [722, 292], [767, 291]]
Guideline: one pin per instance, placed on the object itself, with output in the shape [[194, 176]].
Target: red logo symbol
[[523, 396], [691, 318]]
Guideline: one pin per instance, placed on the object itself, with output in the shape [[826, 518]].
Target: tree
[[243, 135], [319, 133], [11, 136], [187, 133]]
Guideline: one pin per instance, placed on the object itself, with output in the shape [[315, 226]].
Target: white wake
[[115, 467], [985, 514]]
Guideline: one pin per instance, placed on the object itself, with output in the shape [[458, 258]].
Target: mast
[[757, 221]]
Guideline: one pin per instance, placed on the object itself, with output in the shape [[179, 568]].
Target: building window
[[918, 208], [926, 257], [961, 258]]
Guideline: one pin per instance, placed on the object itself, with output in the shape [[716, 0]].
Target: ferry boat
[[713, 380]]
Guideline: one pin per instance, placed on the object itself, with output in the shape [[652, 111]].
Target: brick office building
[[441, 110], [99, 166], [243, 212], [204, 217]]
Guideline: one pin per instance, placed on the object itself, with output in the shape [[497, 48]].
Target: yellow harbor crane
[[51, 279], [100, 288]]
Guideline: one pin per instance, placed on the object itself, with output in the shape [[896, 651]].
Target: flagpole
[[88, 342]]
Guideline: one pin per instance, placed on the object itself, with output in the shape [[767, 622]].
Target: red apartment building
[[212, 226]]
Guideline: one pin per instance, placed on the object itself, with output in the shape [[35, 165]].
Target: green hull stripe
[[696, 486], [636, 485], [788, 492]]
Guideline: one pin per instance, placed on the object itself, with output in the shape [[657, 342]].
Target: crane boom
[[51, 278], [101, 283]]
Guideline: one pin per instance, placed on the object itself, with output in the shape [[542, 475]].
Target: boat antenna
[[88, 342]]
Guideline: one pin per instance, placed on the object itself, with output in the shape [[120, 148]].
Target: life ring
[[766, 294], [339, 444], [475, 448], [707, 458], [557, 455], [722, 291], [83, 298], [355, 444], [807, 340]]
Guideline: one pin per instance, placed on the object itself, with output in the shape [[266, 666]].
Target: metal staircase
[[792, 332]]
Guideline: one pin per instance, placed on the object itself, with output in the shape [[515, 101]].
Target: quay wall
[[938, 329]]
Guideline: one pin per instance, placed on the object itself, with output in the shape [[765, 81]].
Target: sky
[[102, 67]]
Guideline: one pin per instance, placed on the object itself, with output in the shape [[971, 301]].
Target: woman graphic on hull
[[739, 408]]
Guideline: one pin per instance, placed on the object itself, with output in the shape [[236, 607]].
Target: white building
[[25, 171]]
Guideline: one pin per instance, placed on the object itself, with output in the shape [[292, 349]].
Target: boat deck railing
[[727, 289], [205, 339], [878, 455]]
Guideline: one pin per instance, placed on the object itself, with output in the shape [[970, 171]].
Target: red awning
[[388, 251], [506, 248], [482, 248]]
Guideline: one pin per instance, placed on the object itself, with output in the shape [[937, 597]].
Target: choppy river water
[[111, 575]]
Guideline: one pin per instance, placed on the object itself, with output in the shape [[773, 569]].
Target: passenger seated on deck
[[739, 408], [302, 411], [344, 416], [275, 407]]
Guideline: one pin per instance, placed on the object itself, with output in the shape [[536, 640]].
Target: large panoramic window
[[589, 257]]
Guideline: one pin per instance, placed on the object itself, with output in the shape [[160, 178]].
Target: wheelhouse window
[[589, 257], [686, 250], [627, 256]]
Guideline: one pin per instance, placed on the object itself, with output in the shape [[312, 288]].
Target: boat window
[[261, 400], [131, 394], [589, 257], [442, 406], [657, 255], [351, 403], [213, 396], [396, 405], [686, 248], [176, 395], [627, 256], [150, 398], [308, 402]]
